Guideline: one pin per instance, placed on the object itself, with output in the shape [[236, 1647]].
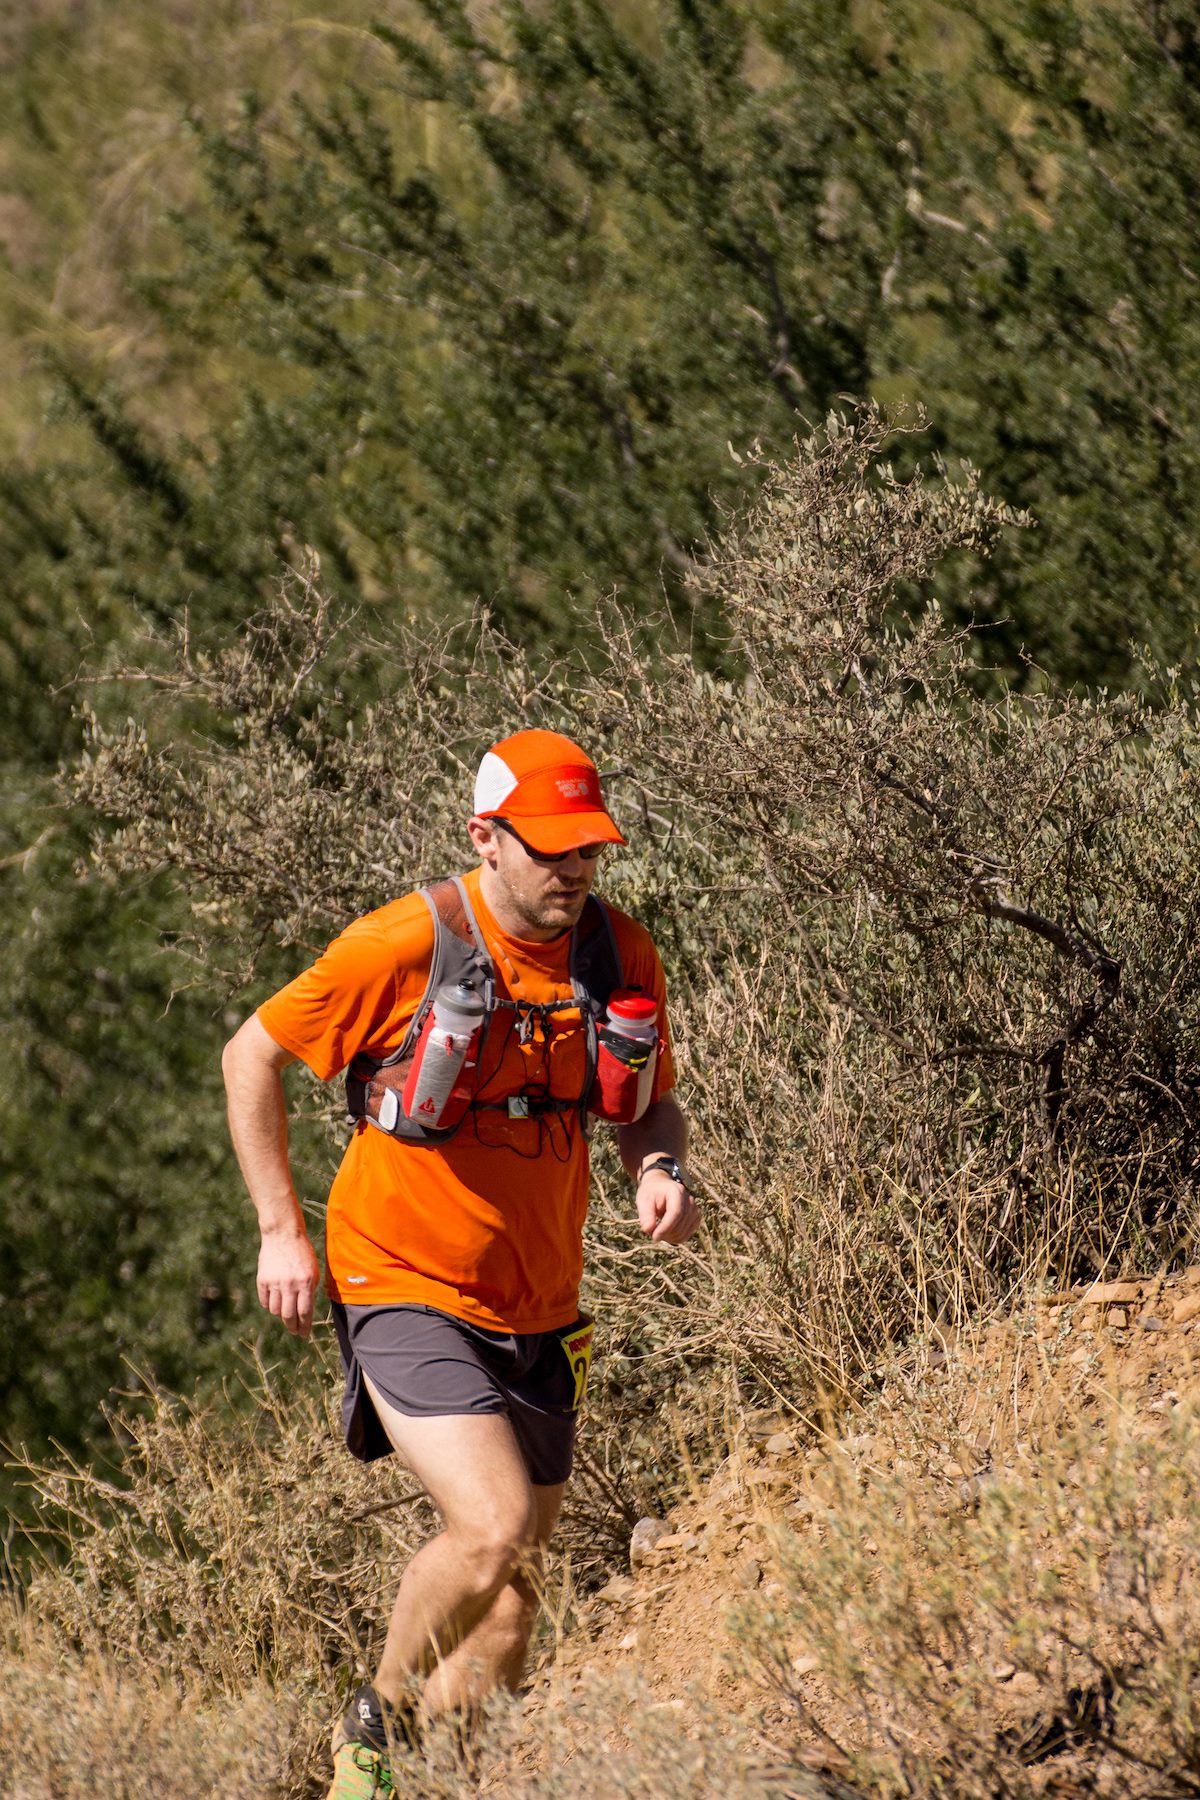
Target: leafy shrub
[[931, 945]]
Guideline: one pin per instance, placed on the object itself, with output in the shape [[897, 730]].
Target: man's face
[[531, 899]]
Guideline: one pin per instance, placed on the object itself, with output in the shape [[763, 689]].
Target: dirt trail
[[951, 1416]]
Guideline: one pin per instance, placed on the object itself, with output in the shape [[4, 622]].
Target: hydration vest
[[374, 1085]]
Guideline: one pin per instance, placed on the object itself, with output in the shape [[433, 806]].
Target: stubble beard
[[553, 915], [546, 914], [523, 908]]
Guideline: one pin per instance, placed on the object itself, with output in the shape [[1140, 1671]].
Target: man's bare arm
[[288, 1270], [667, 1212]]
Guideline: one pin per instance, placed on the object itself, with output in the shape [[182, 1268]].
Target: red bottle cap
[[634, 1007]]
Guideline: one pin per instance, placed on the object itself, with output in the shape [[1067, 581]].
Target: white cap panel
[[493, 784]]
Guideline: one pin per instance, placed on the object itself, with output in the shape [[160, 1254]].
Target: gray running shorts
[[429, 1364]]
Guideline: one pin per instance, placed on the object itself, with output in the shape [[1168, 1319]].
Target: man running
[[454, 1255]]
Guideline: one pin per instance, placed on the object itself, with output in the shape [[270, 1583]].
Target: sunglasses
[[589, 852]]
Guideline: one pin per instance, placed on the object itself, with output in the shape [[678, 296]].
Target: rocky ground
[[982, 1585], [1008, 1443]]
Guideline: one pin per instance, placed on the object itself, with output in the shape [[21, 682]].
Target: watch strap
[[670, 1166]]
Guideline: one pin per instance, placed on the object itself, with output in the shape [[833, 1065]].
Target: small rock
[[749, 1572], [629, 1641], [1111, 1293], [646, 1536], [676, 1540], [971, 1488], [1186, 1309], [617, 1590], [804, 1665], [763, 1478], [763, 1425], [1003, 1671], [1149, 1323], [1118, 1317], [779, 1443]]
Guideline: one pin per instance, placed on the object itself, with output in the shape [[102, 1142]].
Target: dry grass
[[79, 1727], [990, 1580], [998, 1572]]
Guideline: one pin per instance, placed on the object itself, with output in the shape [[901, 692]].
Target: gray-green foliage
[[488, 310], [932, 953]]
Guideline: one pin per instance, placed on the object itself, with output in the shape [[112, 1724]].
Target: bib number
[[577, 1346]]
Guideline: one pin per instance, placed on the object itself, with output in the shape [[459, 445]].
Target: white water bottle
[[439, 1086]]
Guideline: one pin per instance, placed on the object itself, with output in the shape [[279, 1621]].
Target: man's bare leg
[[466, 1602], [493, 1653]]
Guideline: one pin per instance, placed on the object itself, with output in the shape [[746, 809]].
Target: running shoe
[[361, 1766], [361, 1772]]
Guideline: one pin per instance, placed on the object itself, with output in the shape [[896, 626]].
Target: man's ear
[[485, 838]]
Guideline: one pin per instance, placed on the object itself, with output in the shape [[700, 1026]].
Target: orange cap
[[549, 790]]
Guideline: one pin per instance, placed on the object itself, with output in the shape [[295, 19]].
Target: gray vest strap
[[460, 954]]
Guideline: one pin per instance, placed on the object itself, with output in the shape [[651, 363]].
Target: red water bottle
[[440, 1081], [626, 1058]]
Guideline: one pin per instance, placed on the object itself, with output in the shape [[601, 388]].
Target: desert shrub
[[239, 1545], [88, 1729], [983, 1588], [931, 945]]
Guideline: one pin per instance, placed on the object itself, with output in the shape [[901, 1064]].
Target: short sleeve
[[359, 994]]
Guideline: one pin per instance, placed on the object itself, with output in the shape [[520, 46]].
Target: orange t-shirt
[[488, 1226]]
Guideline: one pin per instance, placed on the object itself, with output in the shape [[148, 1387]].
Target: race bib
[[577, 1343]]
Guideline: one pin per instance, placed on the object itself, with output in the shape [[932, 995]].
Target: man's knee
[[499, 1546]]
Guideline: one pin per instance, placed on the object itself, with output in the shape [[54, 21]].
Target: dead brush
[[987, 1580], [231, 1556], [95, 1727]]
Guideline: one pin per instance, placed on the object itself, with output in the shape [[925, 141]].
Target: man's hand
[[288, 1277], [666, 1211]]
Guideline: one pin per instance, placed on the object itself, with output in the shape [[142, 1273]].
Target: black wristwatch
[[670, 1165]]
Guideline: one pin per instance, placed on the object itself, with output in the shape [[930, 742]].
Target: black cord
[[538, 1085]]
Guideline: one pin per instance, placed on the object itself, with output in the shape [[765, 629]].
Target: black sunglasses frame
[[547, 858]]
